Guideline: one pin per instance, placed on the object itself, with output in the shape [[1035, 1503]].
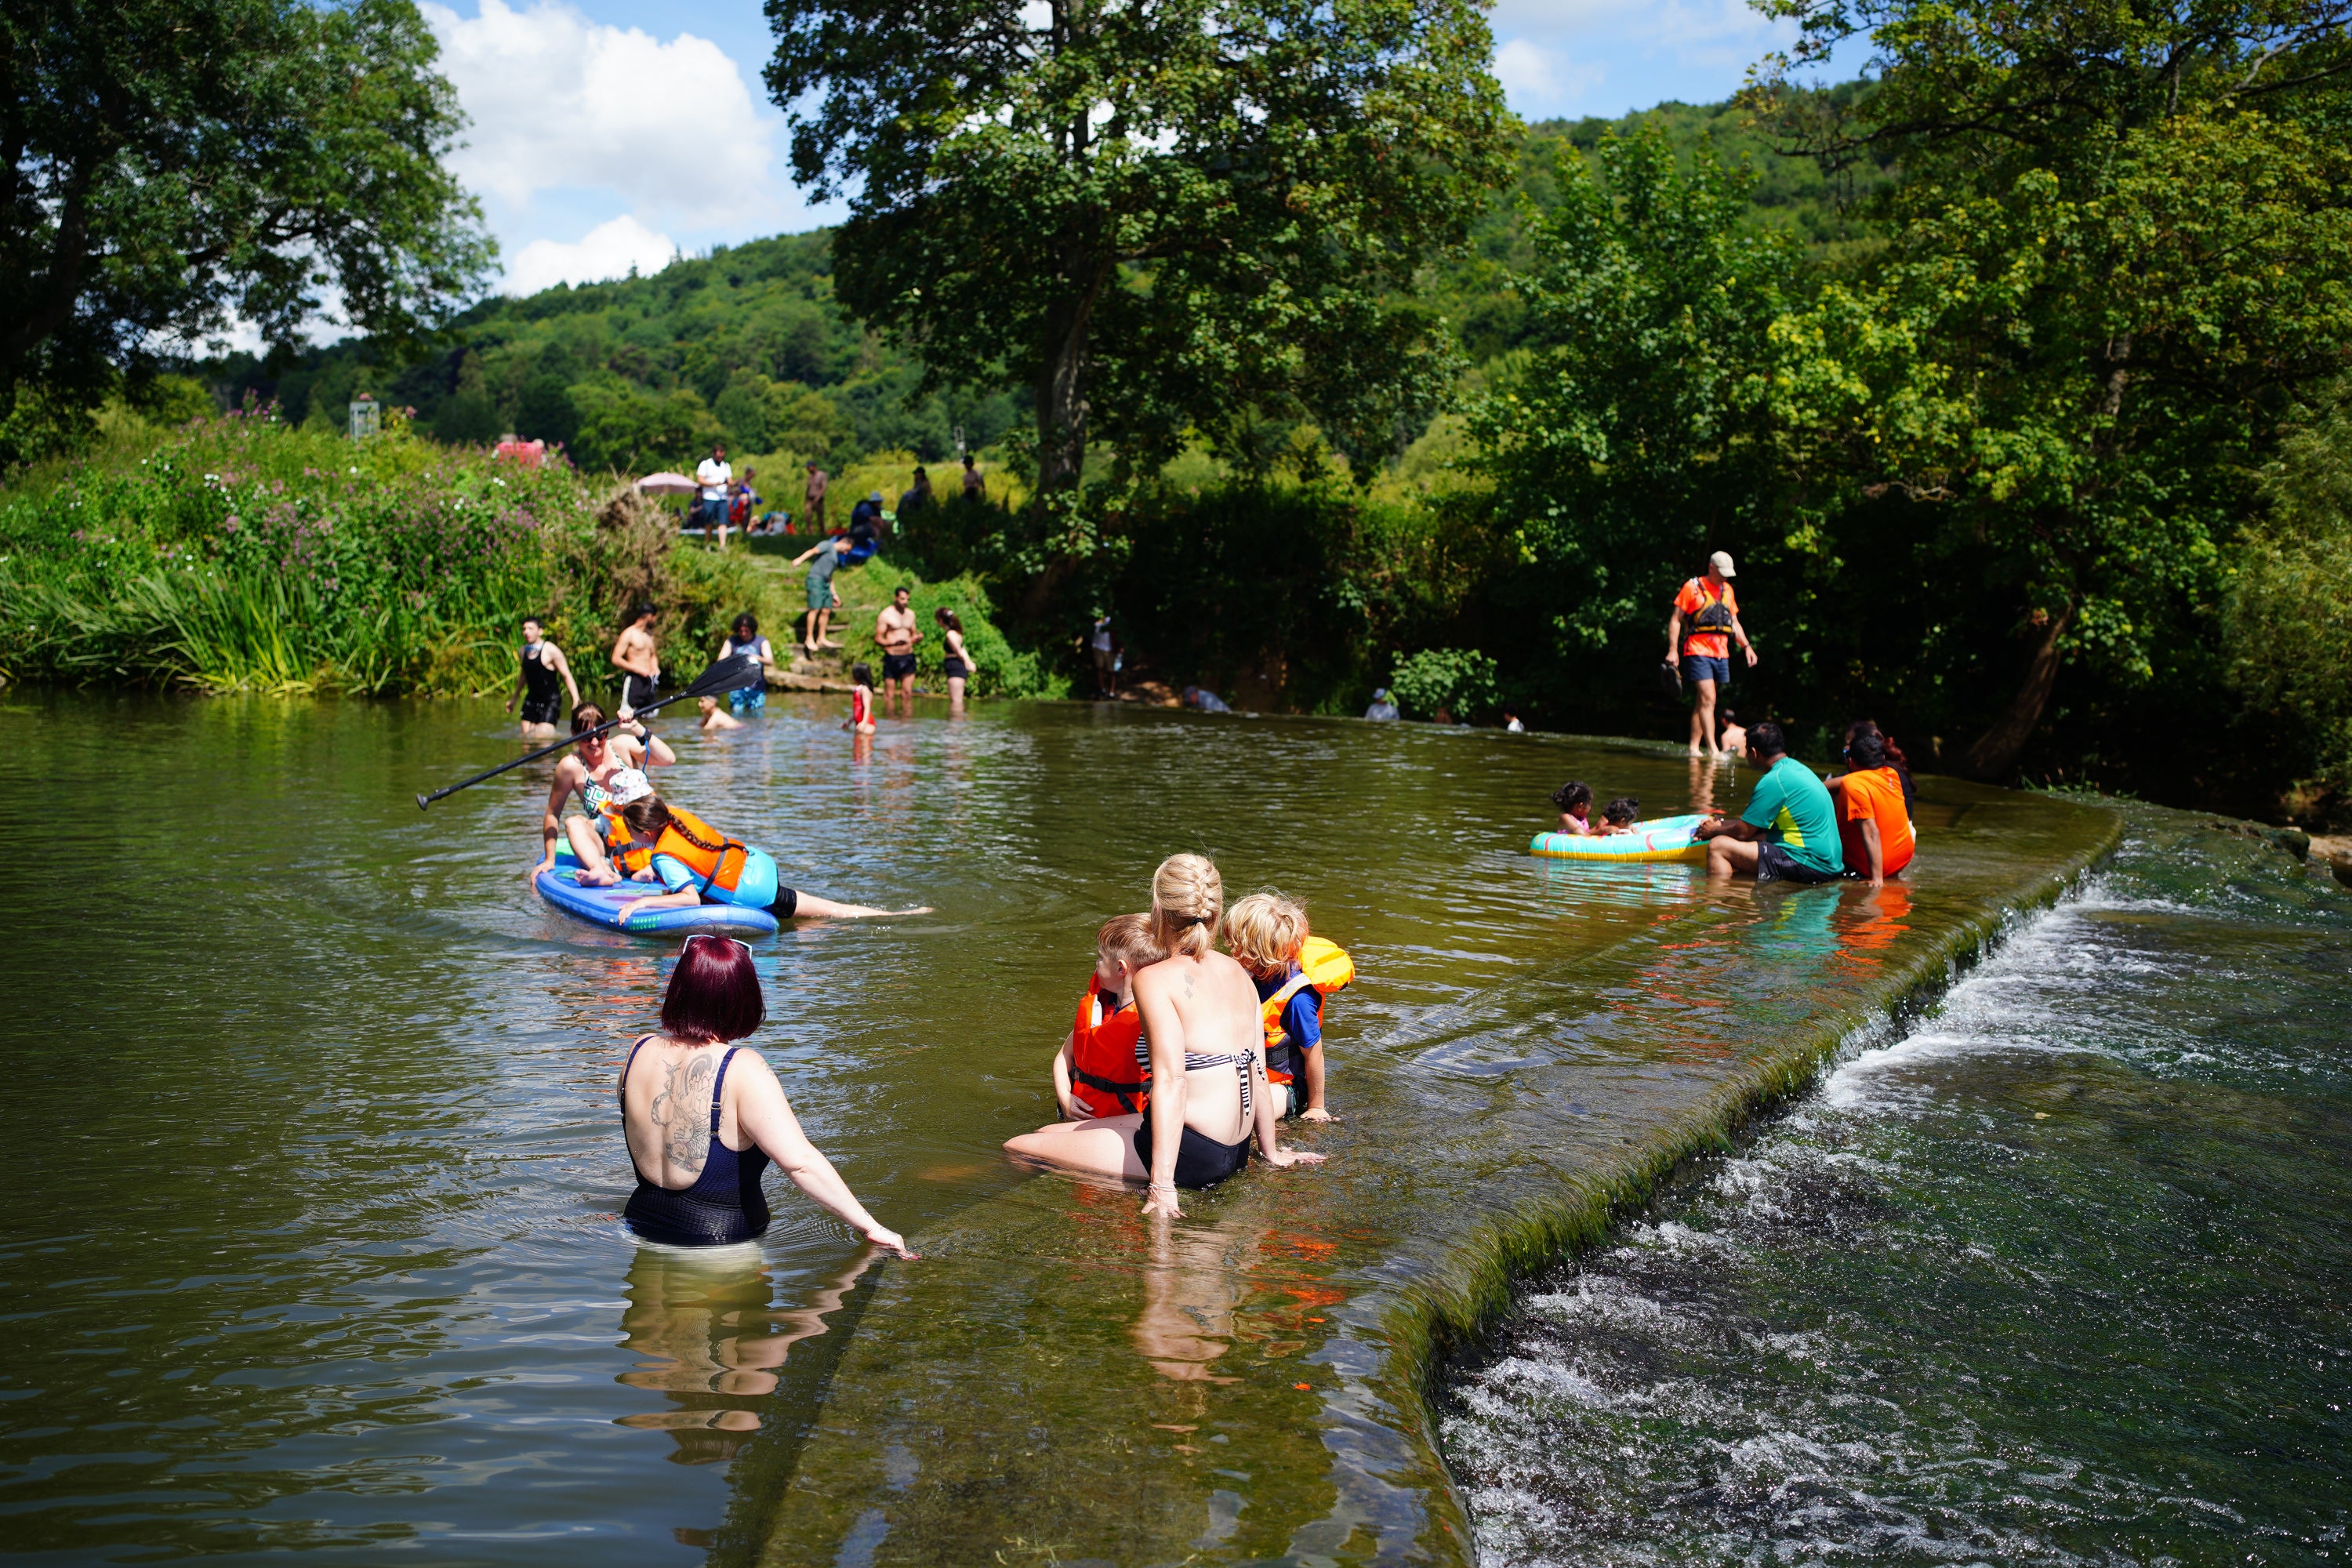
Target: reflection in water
[[1702, 786], [712, 1343], [1190, 1291]]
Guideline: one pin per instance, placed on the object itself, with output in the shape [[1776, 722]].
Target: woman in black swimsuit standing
[[1204, 1038], [703, 1116]]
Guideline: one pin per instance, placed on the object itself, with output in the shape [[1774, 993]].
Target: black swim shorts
[[1200, 1160], [538, 709], [1774, 863], [636, 691], [898, 666], [787, 900]]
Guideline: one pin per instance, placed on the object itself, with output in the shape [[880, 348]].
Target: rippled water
[[309, 1245], [2055, 1273]]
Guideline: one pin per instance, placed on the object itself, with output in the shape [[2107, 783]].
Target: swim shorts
[[957, 670], [787, 900], [898, 666], [1774, 863], [538, 709], [636, 691], [1200, 1161], [1696, 667], [749, 700]]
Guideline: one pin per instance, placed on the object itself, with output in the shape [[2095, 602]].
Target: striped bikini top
[[1194, 1062]]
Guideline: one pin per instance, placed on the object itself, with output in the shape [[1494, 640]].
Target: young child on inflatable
[[1620, 816], [1574, 799], [1267, 934], [1096, 1072]]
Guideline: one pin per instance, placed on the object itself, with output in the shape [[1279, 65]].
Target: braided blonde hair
[[1187, 896]]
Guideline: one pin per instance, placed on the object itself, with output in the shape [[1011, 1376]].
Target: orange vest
[[1323, 964], [1104, 1073], [718, 859]]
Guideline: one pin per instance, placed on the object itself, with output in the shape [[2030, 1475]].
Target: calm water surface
[[2056, 1273], [311, 1247]]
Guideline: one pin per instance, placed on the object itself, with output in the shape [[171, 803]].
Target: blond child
[[1096, 1072], [1268, 934], [712, 718]]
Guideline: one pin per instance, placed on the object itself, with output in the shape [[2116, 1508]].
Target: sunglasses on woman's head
[[707, 936]]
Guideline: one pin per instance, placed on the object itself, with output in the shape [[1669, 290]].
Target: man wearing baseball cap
[[1704, 622]]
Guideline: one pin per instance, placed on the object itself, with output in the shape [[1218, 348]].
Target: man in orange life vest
[[1098, 1071], [1705, 622], [1293, 971]]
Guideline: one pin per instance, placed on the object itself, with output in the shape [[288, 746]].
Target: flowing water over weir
[[313, 1246], [2055, 1273]]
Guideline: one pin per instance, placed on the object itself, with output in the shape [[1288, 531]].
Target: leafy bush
[[1463, 681]]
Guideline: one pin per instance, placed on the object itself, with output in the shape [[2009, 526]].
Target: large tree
[[1162, 215], [173, 164], [2123, 240]]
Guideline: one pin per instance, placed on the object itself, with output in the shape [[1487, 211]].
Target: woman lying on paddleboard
[[587, 772], [695, 864], [1204, 1035]]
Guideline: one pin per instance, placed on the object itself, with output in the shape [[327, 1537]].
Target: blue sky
[[608, 134]]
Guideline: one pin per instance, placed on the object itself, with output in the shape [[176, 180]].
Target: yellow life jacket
[[1322, 964]]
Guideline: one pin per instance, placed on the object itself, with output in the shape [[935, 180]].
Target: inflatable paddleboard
[[1667, 839], [601, 906]]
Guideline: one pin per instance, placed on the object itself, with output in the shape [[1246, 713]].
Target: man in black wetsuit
[[543, 665]]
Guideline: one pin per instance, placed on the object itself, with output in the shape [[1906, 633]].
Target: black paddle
[[732, 673]]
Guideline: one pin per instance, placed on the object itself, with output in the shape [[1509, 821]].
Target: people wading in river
[[1789, 832], [703, 1116], [638, 659], [542, 664], [588, 770], [1705, 622], [1205, 1044]]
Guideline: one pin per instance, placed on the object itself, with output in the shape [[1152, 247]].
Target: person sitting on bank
[[1206, 1047], [1574, 799], [697, 1184], [1873, 822], [1382, 710], [1096, 1072], [1619, 816], [1292, 970], [1789, 832], [696, 864], [1202, 697]]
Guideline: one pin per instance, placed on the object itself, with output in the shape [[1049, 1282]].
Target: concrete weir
[[1060, 1381]]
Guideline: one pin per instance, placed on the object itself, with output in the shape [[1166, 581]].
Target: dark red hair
[[714, 992]]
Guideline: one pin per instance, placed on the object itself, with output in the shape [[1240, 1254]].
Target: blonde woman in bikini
[[1205, 1043]]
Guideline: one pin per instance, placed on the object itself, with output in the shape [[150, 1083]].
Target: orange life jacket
[[718, 859], [1323, 964], [1104, 1073]]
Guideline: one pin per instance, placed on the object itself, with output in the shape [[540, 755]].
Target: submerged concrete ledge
[[1059, 1382]]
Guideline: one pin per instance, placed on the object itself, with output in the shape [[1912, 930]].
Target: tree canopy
[[175, 163], [1157, 218]]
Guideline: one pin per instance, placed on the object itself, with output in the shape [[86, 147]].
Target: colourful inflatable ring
[[1667, 839]]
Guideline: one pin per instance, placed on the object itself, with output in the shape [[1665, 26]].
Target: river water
[[2055, 1273], [311, 1244]]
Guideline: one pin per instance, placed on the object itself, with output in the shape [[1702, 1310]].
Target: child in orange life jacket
[[1267, 935], [1098, 1071], [861, 702]]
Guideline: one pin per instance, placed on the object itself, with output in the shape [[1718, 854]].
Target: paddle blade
[[734, 673]]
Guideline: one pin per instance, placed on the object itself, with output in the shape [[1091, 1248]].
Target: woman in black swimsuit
[[703, 1117], [1205, 1041]]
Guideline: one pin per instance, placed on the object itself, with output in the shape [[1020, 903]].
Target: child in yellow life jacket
[[1099, 1070], [1293, 970]]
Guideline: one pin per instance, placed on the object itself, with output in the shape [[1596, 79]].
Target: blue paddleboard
[[601, 906]]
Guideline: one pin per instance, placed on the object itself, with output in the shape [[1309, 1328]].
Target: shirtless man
[[634, 656], [542, 664], [814, 494], [896, 634]]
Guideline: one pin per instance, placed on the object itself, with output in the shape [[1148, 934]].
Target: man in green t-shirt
[[1789, 832]]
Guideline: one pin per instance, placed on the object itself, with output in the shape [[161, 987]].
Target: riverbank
[[387, 1151]]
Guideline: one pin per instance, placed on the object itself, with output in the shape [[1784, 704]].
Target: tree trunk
[[1062, 396], [1996, 750]]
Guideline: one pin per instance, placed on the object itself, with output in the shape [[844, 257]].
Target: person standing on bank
[[823, 558], [1790, 830], [717, 480], [896, 634], [1703, 627], [542, 665], [813, 494], [639, 662]]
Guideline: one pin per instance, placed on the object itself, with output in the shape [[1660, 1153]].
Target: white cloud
[[558, 100], [1536, 77], [608, 250]]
